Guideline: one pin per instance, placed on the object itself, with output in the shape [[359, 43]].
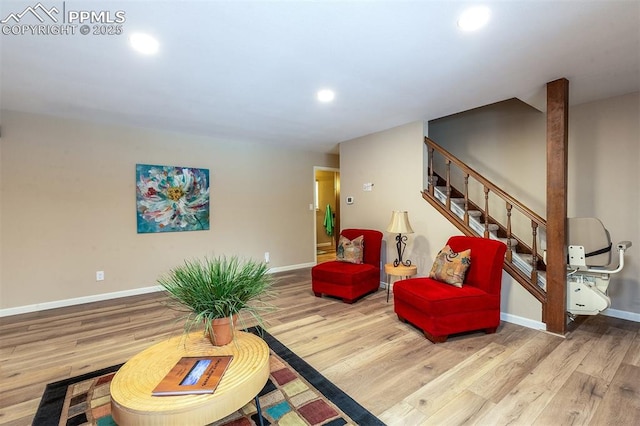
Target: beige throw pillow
[[451, 267], [350, 251]]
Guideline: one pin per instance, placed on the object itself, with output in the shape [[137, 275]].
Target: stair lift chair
[[440, 309], [350, 281], [588, 260]]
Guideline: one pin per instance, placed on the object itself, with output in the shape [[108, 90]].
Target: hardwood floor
[[517, 376], [325, 255]]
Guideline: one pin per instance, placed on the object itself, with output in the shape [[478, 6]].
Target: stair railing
[[530, 282]]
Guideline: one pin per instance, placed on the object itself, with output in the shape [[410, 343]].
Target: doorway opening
[[327, 212]]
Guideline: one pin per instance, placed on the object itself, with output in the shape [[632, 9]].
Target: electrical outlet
[[99, 275], [266, 257]]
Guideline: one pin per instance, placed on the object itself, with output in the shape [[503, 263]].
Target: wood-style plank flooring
[[517, 376], [326, 255]]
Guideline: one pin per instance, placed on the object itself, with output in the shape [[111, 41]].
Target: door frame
[[315, 221]]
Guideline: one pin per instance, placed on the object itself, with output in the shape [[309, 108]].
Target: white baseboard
[[525, 322], [114, 295], [631, 316], [291, 267], [76, 301], [537, 325], [329, 244]]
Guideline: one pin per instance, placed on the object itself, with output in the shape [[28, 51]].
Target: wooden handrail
[[486, 182], [528, 281]]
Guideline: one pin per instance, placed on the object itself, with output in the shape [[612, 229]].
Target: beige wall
[[67, 195], [604, 181], [393, 161], [506, 142], [68, 206], [513, 157]]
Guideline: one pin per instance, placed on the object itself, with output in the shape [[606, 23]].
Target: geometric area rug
[[295, 394]]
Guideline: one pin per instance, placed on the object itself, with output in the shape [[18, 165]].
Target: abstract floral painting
[[172, 198]]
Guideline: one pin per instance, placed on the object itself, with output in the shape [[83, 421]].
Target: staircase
[[477, 207]]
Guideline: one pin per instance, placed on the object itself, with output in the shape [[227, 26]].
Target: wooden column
[[557, 160]]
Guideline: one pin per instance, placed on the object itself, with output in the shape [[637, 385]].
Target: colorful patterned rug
[[295, 394]]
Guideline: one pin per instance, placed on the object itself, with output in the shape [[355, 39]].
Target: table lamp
[[400, 225]]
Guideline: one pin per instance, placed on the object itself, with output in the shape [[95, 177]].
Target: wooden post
[[557, 160]]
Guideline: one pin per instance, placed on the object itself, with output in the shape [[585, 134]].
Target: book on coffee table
[[194, 375]]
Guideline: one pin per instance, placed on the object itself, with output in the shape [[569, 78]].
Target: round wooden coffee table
[[133, 404]]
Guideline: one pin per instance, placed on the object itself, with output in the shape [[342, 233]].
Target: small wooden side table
[[398, 271]]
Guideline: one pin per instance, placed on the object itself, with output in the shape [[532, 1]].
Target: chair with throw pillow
[[462, 292], [356, 270]]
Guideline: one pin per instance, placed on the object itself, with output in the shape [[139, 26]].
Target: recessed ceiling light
[[144, 43], [474, 18], [326, 95]]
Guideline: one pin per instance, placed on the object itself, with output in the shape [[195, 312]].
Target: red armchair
[[440, 309], [350, 281]]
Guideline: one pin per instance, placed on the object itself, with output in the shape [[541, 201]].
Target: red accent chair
[[350, 281], [440, 309]]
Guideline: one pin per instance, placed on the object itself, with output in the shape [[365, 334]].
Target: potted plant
[[215, 290]]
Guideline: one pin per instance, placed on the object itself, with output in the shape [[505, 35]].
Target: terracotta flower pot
[[222, 330]]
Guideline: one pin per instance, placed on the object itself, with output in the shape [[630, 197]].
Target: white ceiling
[[249, 70]]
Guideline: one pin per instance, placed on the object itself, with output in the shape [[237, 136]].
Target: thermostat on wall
[[349, 200]]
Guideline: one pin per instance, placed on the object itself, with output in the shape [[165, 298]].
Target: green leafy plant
[[218, 287]]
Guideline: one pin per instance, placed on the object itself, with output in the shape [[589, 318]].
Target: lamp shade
[[400, 223]]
